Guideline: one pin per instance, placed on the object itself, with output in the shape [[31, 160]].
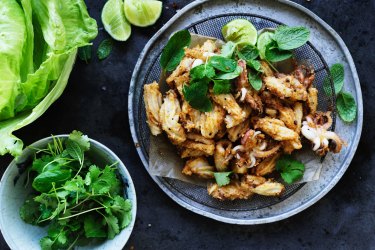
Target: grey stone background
[[95, 102]]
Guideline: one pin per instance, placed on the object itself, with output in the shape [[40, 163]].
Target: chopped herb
[[290, 169], [222, 178], [104, 49]]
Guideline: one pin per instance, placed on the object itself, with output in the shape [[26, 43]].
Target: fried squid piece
[[211, 121], [298, 114], [180, 81], [236, 114], [245, 188], [315, 129], [312, 100], [169, 116], [286, 87], [190, 117], [222, 155], [247, 93], [260, 185], [199, 167], [200, 143], [267, 166], [238, 131], [232, 121], [189, 153], [184, 67], [202, 52], [276, 129], [305, 75], [153, 101], [233, 191], [290, 146]]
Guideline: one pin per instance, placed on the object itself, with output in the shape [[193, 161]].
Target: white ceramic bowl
[[20, 235]]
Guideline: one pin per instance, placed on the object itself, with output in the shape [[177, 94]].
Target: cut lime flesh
[[240, 31], [143, 13], [114, 20]]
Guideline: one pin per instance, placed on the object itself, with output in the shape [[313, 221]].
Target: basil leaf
[[290, 169], [273, 54], [338, 74], [346, 106], [196, 95], [74, 150], [223, 64], [222, 87], [43, 182], [255, 81], [230, 75], [288, 38], [228, 49], [104, 49], [173, 52], [222, 178], [202, 71], [84, 53], [248, 52]]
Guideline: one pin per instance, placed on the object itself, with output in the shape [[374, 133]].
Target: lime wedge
[[263, 40], [143, 13], [114, 21], [240, 31]]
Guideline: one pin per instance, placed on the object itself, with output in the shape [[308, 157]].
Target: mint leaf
[[84, 53], [223, 64], [231, 75], [104, 49], [92, 227], [254, 64], [228, 49], [337, 74], [222, 87], [248, 53], [288, 38], [173, 52], [346, 106], [290, 169], [202, 71], [222, 178], [82, 140], [255, 81], [196, 95], [273, 54]]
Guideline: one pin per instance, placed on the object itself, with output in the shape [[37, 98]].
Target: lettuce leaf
[[10, 143], [37, 52]]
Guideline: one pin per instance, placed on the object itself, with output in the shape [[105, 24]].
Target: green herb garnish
[[346, 106], [255, 80], [288, 38], [75, 198], [223, 64], [222, 178], [85, 53], [338, 74], [173, 52], [290, 169], [104, 49]]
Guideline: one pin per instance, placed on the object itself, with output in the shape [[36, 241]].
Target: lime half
[[240, 31], [114, 20], [263, 40], [143, 13]]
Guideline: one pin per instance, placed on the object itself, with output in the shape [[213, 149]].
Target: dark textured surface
[[95, 102]]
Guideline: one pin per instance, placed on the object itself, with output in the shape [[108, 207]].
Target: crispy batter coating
[[184, 67], [238, 131], [267, 166], [169, 116], [198, 142], [236, 114], [312, 100], [222, 155], [276, 129], [286, 87], [199, 167], [211, 121], [298, 114], [153, 102], [190, 117]]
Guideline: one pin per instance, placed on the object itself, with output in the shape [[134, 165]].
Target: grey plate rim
[[264, 220]]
